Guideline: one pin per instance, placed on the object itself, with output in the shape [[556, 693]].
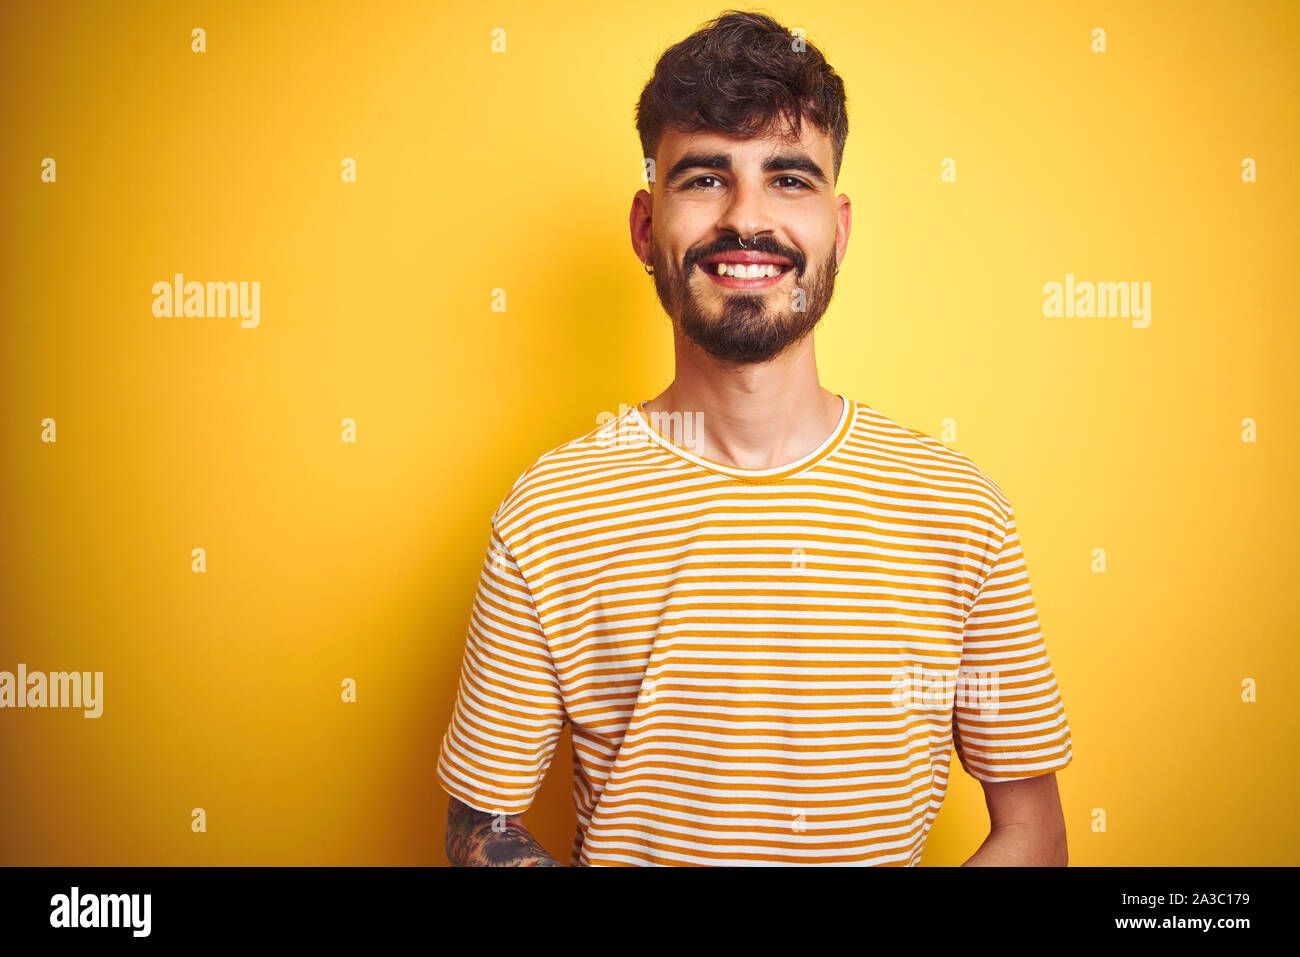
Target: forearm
[[478, 839], [1021, 845]]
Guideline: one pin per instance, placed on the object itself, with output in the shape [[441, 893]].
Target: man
[[768, 633]]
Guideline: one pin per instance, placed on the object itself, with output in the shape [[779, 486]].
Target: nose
[[746, 215]]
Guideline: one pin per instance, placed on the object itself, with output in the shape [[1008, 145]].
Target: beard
[[744, 327]]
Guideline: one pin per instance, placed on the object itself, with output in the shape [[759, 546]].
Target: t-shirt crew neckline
[[833, 442]]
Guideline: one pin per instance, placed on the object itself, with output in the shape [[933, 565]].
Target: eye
[[695, 182], [796, 180]]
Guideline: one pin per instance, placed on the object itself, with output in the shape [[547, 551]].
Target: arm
[[1027, 825], [473, 842]]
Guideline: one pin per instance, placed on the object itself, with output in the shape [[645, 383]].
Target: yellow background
[[481, 170]]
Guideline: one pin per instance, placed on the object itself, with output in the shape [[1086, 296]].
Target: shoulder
[[918, 458], [561, 477]]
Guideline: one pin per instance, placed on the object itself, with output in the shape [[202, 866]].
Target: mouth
[[745, 270]]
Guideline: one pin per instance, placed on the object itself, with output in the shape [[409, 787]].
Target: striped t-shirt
[[757, 666]]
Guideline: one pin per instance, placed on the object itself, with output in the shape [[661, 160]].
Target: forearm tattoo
[[473, 842]]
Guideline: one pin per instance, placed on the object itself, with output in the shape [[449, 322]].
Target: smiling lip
[[708, 266], [732, 282]]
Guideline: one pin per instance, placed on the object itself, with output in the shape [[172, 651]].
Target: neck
[[757, 416]]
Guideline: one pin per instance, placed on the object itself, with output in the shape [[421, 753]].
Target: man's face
[[712, 195]]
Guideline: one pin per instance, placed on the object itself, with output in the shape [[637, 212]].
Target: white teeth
[[749, 271]]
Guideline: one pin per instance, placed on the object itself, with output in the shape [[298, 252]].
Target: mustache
[[763, 245]]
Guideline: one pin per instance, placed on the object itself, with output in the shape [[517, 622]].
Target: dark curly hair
[[739, 75]]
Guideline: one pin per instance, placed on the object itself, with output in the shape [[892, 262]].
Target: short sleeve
[[1008, 718], [509, 711]]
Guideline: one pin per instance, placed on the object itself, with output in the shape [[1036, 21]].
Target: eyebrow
[[777, 163]]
